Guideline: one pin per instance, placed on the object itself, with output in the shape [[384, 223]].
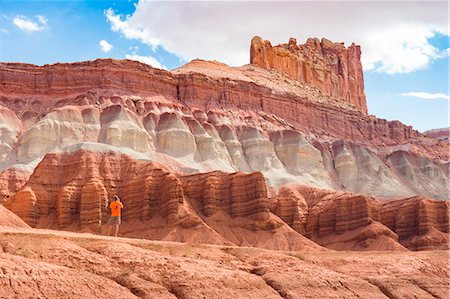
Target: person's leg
[[113, 229], [116, 230]]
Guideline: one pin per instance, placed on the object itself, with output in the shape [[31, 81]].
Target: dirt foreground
[[53, 264]]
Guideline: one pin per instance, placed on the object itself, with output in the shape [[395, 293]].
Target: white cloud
[[393, 35], [28, 25], [42, 19], [426, 95], [402, 49], [106, 47], [152, 61], [131, 33]]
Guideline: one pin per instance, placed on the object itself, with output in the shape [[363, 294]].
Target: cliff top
[[278, 82], [330, 67]]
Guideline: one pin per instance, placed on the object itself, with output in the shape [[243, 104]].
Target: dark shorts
[[115, 219]]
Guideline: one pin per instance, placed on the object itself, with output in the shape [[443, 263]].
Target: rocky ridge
[[252, 156], [207, 116], [70, 191]]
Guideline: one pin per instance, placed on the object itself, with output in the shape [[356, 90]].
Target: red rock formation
[[67, 205], [342, 221], [93, 206], [11, 180], [421, 223], [439, 134], [292, 208], [239, 194], [7, 218], [99, 82], [70, 191], [331, 67], [24, 204]]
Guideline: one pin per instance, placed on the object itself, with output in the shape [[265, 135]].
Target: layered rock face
[[343, 221], [208, 153], [331, 67], [70, 191], [440, 134], [8, 218], [204, 117]]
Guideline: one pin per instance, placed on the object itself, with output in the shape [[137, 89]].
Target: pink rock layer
[[31, 91]]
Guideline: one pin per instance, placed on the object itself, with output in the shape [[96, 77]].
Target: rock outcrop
[[11, 180], [331, 67], [70, 191], [25, 205], [209, 153], [439, 134], [420, 223], [8, 218], [345, 221], [206, 116]]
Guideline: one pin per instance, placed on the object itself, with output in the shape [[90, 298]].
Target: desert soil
[[54, 264]]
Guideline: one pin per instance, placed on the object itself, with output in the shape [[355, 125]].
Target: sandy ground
[[53, 264]]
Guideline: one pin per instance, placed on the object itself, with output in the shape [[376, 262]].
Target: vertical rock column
[[66, 205], [93, 205], [24, 205], [249, 196]]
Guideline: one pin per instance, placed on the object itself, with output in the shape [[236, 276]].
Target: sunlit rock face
[[71, 189], [174, 137], [207, 116], [62, 127], [331, 67], [10, 127], [279, 154], [424, 176], [362, 171], [123, 128], [301, 158]]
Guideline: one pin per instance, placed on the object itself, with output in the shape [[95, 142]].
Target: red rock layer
[[93, 205], [341, 220], [331, 67], [440, 134], [7, 218], [71, 191], [238, 194], [420, 223], [75, 187], [31, 91], [11, 180], [24, 204], [292, 208]]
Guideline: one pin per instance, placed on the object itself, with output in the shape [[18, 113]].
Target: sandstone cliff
[[331, 67], [207, 116], [346, 221], [70, 191]]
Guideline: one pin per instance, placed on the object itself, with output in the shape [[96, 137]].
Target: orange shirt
[[116, 207]]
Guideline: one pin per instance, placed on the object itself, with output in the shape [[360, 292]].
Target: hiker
[[116, 206]]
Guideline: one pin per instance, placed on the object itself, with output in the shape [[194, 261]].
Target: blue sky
[[406, 62]]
